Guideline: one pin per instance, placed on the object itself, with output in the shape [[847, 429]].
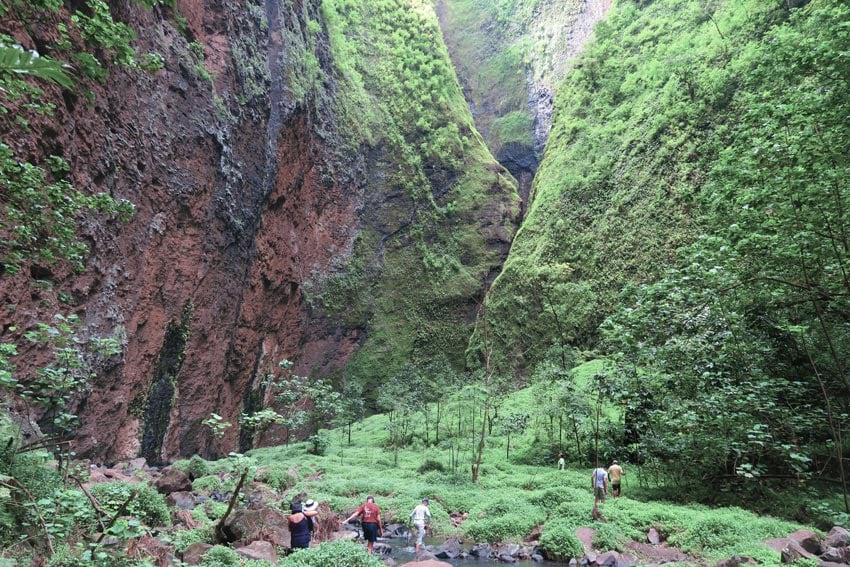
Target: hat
[[310, 505], [295, 506], [425, 501], [614, 462]]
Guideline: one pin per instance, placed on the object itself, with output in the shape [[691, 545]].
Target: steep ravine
[[267, 225], [510, 59]]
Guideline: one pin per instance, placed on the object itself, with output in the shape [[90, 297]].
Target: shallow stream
[[403, 552]]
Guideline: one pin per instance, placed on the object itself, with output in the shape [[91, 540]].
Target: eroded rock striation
[[267, 225]]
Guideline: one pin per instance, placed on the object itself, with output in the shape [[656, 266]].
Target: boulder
[[610, 559], [837, 537], [481, 551], [258, 550], [793, 552], [396, 530], [182, 500], [736, 561], [173, 480], [450, 549], [510, 549], [585, 536], [154, 549], [252, 525], [507, 558], [382, 549], [536, 557], [836, 555], [193, 554], [653, 537], [427, 563], [808, 540]]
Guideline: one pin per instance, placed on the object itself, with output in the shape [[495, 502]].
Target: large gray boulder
[[837, 537], [253, 525]]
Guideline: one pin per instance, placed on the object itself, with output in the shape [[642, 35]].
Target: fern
[[16, 60]]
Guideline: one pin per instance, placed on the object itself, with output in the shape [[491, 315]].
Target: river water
[[403, 552]]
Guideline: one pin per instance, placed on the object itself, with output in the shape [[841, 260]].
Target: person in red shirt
[[370, 520]]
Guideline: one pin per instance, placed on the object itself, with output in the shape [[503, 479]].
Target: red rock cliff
[[228, 168]]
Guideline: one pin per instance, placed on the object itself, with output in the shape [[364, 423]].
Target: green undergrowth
[[638, 123], [510, 500]]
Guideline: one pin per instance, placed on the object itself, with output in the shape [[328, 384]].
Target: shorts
[[370, 532], [599, 491], [615, 486]]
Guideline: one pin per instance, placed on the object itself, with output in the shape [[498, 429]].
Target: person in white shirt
[[421, 516], [599, 482]]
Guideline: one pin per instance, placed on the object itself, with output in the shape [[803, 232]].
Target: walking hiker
[[615, 473], [421, 516], [561, 462], [370, 521], [300, 525], [599, 482]]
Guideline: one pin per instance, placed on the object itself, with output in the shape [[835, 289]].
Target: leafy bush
[[608, 537], [276, 476], [184, 538], [503, 519], [559, 541], [196, 467], [220, 556], [148, 505], [712, 533], [213, 483], [338, 554], [552, 497], [431, 465]]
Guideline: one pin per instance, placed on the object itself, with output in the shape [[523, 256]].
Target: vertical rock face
[[249, 193], [510, 59]]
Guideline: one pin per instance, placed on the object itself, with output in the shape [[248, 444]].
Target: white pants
[[420, 530]]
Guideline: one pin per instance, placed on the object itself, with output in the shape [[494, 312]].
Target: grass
[[511, 499]]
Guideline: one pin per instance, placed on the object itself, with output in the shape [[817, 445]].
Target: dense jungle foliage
[[677, 295], [689, 220]]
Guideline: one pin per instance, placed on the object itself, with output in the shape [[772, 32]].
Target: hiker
[[561, 462], [599, 482], [311, 510], [421, 516], [370, 521], [300, 525], [615, 473]]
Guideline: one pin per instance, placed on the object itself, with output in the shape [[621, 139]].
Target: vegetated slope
[[639, 123], [441, 227], [510, 57], [307, 183]]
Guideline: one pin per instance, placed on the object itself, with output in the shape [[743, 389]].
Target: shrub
[[338, 554], [276, 476], [712, 534], [184, 538], [220, 556], [559, 541], [148, 505], [213, 483], [431, 465], [503, 519], [608, 537]]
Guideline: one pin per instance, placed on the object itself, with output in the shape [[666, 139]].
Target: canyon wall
[[275, 218]]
